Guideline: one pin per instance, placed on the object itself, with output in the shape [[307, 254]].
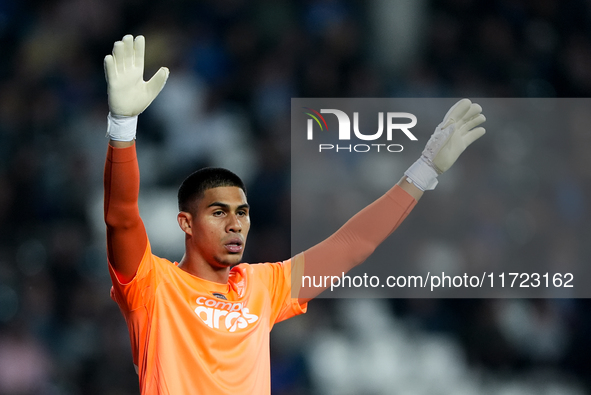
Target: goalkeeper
[[201, 326]]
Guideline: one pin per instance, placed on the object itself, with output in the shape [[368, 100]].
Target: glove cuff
[[121, 128], [422, 174]]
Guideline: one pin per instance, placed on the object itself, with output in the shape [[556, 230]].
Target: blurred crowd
[[235, 65]]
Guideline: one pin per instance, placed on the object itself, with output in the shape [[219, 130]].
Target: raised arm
[[358, 238], [129, 95]]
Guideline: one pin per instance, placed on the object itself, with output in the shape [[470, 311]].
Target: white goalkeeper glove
[[457, 131], [129, 94]]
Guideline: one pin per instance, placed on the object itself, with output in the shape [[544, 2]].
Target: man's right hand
[[129, 94]]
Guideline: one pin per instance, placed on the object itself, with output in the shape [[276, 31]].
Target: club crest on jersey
[[219, 314]]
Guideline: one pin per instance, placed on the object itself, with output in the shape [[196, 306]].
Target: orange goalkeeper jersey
[[193, 336]]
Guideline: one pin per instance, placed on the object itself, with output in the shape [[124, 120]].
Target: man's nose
[[234, 224]]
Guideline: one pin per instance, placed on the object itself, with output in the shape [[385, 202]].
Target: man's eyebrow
[[227, 206]]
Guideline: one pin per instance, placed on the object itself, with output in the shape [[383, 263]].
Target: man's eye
[[218, 213], [242, 213]]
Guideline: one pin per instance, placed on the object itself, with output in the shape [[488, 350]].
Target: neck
[[202, 269]]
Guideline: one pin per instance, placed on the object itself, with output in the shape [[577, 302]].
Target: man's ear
[[184, 219]]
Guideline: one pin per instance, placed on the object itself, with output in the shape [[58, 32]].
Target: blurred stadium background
[[235, 64]]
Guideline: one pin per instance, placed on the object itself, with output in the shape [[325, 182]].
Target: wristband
[[121, 128], [422, 175]]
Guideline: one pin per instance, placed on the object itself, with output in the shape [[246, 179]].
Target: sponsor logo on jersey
[[220, 314], [219, 296]]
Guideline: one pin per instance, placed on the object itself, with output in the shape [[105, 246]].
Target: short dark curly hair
[[198, 182]]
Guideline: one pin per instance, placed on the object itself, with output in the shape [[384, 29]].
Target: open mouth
[[234, 246]]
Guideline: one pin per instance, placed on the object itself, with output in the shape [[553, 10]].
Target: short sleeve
[[277, 278], [140, 289]]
